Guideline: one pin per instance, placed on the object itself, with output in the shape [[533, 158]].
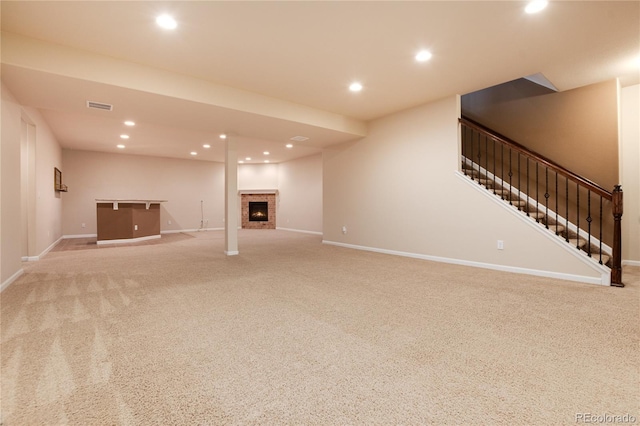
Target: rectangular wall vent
[[99, 105], [299, 138]]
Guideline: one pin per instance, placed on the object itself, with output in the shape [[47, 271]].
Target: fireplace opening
[[258, 211]]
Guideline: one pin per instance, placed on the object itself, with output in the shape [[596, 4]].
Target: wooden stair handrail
[[592, 186]]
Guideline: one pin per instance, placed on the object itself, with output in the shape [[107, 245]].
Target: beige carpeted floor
[[295, 332]]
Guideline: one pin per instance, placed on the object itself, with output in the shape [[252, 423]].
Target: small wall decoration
[[57, 181]]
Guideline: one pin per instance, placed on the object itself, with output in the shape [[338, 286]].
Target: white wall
[[257, 176], [183, 183], [46, 210], [10, 230], [300, 194], [630, 173], [398, 190], [48, 201]]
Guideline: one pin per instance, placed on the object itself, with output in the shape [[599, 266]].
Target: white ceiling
[[300, 54]]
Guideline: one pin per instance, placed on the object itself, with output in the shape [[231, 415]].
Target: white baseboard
[[10, 280], [65, 237], [504, 268], [631, 263], [48, 249], [178, 231], [299, 230], [45, 251], [127, 240]]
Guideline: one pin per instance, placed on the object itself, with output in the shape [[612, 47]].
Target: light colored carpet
[[295, 332]]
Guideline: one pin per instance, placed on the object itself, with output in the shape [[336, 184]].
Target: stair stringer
[[551, 213], [603, 272]]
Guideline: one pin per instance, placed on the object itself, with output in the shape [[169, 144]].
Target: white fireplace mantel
[[258, 191]]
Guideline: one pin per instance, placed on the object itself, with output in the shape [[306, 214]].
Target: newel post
[[616, 265]]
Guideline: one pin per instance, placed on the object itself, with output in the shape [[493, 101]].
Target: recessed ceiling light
[[299, 138], [248, 158], [266, 153], [289, 145], [167, 22], [241, 162], [206, 145], [266, 161], [129, 123], [194, 153], [536, 6], [124, 136], [120, 146], [423, 56], [223, 136], [355, 87]]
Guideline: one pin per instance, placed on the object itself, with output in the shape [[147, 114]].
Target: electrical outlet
[[169, 222], [84, 225], [344, 229], [135, 227], [500, 245]]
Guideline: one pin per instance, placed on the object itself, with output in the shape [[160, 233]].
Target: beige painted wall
[[577, 129], [45, 228], [630, 165], [10, 231], [299, 185], [399, 190], [300, 197], [48, 201], [183, 183], [257, 176]]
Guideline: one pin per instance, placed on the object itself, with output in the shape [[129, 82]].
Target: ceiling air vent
[[299, 138], [99, 105]]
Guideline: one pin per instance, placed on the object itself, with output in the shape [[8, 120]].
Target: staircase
[[580, 212], [555, 224]]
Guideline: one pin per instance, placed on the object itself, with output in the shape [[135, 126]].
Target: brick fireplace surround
[[244, 207]]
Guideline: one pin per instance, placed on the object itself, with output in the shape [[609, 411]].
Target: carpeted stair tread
[[557, 228], [577, 242], [485, 182], [518, 203], [536, 214], [605, 258]]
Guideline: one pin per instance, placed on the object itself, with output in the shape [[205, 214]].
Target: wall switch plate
[[135, 227], [344, 229], [169, 222], [84, 225], [500, 245]]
